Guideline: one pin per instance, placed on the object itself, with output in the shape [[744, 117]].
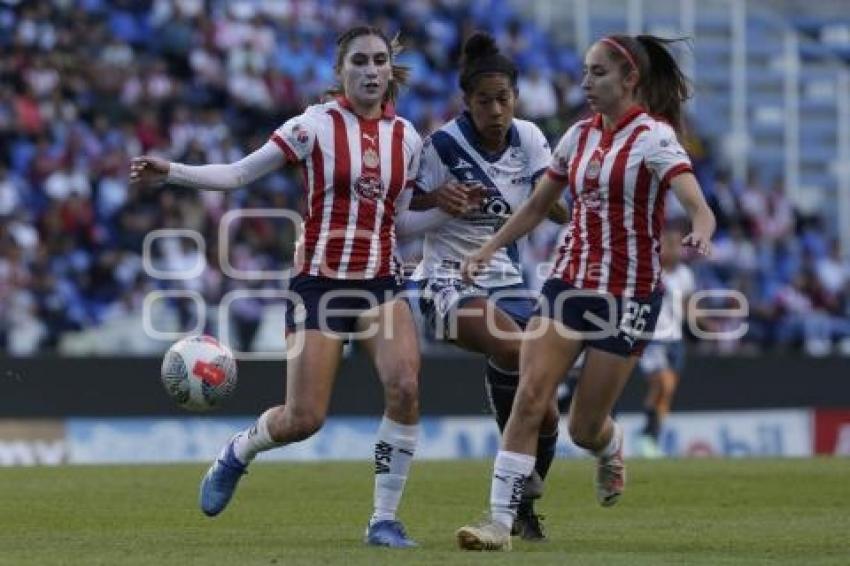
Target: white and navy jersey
[[453, 153], [354, 169], [618, 180], [679, 284]]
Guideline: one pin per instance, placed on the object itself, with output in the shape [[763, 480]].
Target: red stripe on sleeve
[[673, 172], [284, 147]]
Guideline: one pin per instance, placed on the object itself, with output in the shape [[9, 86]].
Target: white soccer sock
[[509, 474], [250, 442], [394, 448], [613, 445]]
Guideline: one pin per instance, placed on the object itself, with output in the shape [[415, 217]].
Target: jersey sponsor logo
[[370, 138], [369, 187], [370, 158], [494, 204]]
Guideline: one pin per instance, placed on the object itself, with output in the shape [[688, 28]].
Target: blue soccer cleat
[[388, 533], [218, 485]]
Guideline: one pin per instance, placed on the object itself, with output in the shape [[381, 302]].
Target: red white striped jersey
[[618, 180], [354, 169]]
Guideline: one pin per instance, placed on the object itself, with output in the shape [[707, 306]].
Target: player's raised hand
[[700, 242], [147, 170]]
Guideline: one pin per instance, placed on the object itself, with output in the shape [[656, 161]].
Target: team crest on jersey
[[299, 134], [370, 158], [593, 168], [369, 187]]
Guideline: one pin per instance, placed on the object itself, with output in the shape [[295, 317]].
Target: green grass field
[[673, 512]]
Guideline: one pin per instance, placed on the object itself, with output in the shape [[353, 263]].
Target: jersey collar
[[624, 121], [467, 128], [387, 108]]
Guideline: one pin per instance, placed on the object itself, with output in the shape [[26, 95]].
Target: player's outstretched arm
[[559, 213], [687, 190], [148, 170]]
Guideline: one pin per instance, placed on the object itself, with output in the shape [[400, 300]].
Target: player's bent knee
[[403, 392], [527, 409], [401, 378], [531, 397], [301, 425]]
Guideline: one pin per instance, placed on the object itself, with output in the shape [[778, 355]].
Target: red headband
[[623, 51]]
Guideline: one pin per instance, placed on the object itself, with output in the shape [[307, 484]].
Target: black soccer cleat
[[528, 525]]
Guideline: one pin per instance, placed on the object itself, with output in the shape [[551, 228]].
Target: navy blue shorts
[[626, 331], [334, 305], [439, 298]]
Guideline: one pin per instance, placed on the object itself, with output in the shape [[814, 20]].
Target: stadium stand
[[88, 84]]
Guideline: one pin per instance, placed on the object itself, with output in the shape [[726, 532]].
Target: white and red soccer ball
[[199, 373]]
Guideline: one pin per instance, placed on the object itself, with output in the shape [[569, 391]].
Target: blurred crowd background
[[87, 84]]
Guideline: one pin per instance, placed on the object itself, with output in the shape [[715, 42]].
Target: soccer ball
[[199, 373]]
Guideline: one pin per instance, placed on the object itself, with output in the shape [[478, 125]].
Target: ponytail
[[662, 86], [665, 88]]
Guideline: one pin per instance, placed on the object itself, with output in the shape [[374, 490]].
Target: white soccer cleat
[[611, 475], [487, 535]]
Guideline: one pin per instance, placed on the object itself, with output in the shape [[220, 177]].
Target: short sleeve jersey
[[618, 180], [453, 153], [354, 171]]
